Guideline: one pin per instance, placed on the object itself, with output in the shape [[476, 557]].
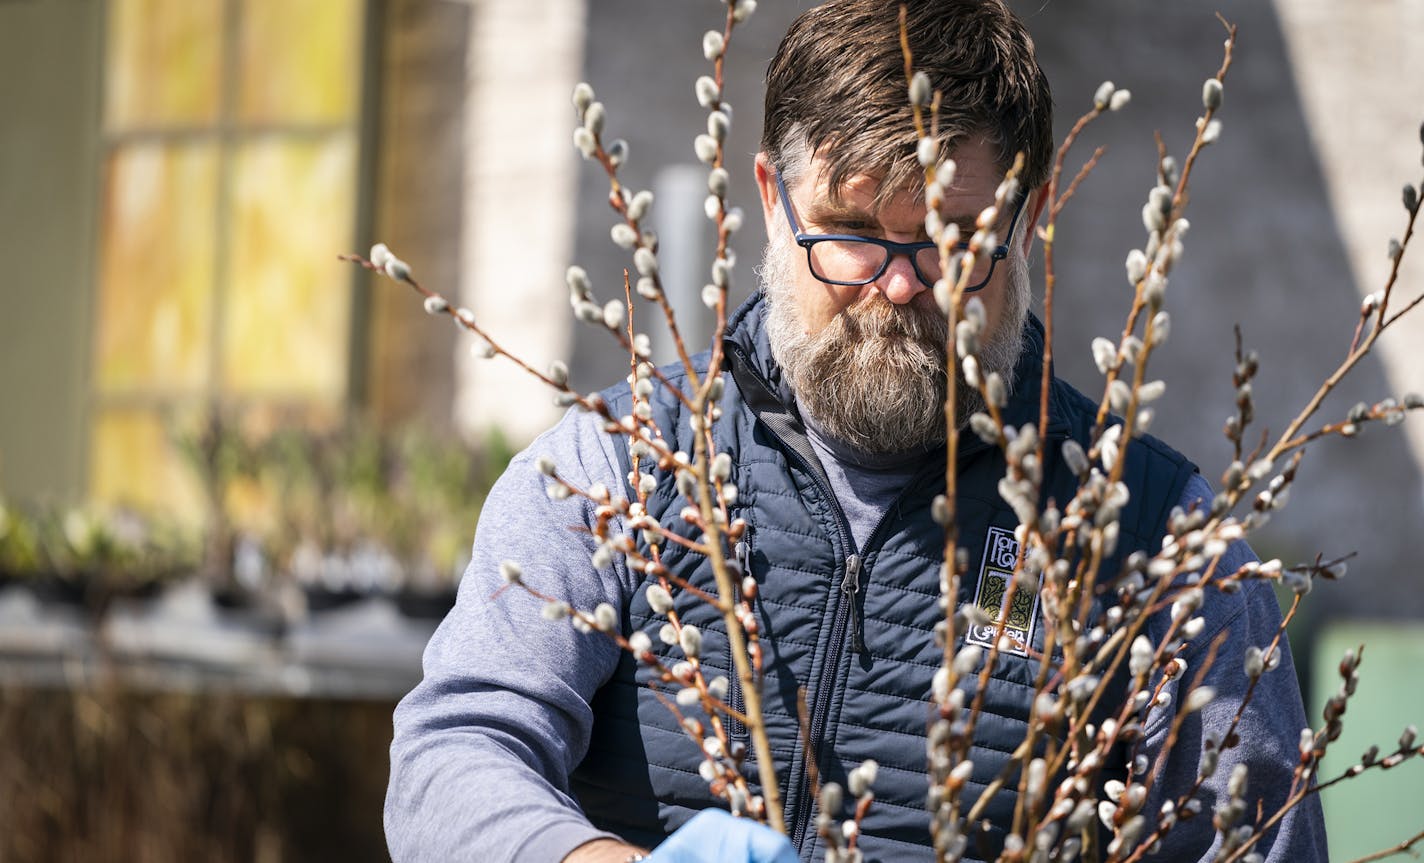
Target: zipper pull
[[850, 585], [743, 553]]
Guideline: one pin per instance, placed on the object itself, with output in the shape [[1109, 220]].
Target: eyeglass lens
[[850, 261]]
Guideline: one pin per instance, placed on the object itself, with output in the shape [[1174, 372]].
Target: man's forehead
[[863, 193], [865, 190]]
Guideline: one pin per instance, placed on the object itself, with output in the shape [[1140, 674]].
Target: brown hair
[[837, 88]]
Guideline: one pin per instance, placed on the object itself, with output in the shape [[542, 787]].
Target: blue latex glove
[[714, 836]]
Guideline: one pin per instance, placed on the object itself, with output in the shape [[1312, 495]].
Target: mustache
[[875, 317]]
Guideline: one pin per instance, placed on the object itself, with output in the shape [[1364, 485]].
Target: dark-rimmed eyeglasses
[[851, 260]]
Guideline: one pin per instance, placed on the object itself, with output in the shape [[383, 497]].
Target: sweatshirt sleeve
[[484, 745], [1268, 733]]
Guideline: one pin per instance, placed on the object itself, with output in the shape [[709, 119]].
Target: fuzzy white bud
[[691, 641], [614, 314], [705, 146], [559, 372], [584, 141], [1211, 94], [708, 94], [920, 90], [713, 44], [594, 118], [718, 126], [1103, 96], [623, 235], [638, 207], [659, 600], [397, 269], [583, 96], [379, 255], [718, 182], [1212, 133], [926, 151], [510, 571], [1104, 354], [1161, 327], [1151, 391], [1136, 266], [1198, 698], [722, 467], [971, 371]]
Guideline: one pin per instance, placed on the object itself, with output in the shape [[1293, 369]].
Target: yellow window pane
[[288, 300], [299, 60], [164, 63], [134, 461], [156, 271]]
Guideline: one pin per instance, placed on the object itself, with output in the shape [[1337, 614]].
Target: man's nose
[[900, 283]]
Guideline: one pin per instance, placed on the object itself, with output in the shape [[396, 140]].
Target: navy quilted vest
[[854, 627]]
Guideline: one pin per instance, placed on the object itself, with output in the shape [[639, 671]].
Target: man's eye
[[852, 226]]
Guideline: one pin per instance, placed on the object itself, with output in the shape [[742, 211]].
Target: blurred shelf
[[184, 640]]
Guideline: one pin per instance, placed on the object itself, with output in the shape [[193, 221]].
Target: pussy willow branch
[[1013, 586], [727, 590], [714, 367], [615, 200], [596, 406], [1179, 206], [1402, 848], [1381, 324], [1050, 278]]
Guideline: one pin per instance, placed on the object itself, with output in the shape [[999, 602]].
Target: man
[[525, 733]]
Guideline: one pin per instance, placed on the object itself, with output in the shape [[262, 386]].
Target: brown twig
[[1404, 847]]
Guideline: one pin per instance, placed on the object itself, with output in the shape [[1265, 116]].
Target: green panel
[[288, 298], [165, 63], [1376, 809], [158, 218], [49, 57], [300, 61]]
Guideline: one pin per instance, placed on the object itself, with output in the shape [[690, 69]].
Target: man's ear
[[1032, 211], [766, 186]]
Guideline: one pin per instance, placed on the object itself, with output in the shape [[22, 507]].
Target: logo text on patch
[[996, 573]]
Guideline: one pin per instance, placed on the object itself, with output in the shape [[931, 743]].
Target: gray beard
[[874, 377]]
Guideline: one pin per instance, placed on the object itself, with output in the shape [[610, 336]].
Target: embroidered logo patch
[[1001, 551]]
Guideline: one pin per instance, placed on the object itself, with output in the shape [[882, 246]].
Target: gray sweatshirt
[[484, 745]]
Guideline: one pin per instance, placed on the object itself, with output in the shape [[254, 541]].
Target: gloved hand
[[714, 836]]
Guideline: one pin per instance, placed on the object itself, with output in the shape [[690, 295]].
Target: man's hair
[[837, 88]]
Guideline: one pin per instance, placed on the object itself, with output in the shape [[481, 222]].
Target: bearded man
[[531, 741]]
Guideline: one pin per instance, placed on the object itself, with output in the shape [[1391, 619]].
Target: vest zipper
[[735, 699], [849, 586]]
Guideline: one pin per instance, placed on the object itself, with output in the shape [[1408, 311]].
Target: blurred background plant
[[349, 509]]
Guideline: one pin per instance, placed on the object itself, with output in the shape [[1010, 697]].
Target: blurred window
[[231, 138]]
